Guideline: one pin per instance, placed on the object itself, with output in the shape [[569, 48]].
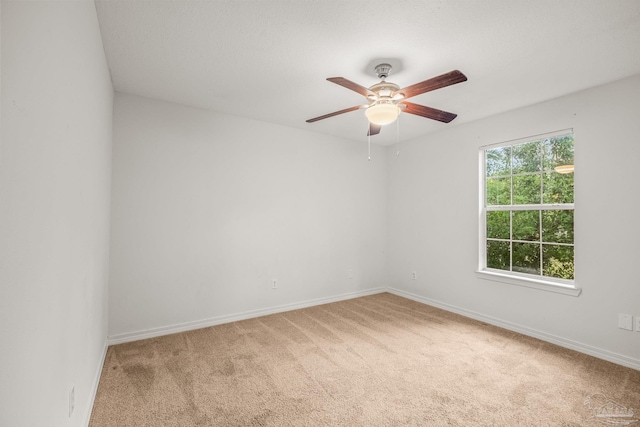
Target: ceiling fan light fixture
[[386, 100], [382, 113]]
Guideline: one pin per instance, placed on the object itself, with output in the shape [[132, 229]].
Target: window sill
[[545, 285]]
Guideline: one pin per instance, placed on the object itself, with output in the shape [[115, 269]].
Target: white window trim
[[561, 286], [512, 278]]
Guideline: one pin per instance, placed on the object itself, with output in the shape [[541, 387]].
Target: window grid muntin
[[537, 242]]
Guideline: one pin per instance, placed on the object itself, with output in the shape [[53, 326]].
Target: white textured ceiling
[[269, 60]]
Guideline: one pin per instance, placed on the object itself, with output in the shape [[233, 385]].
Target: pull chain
[[369, 140], [398, 135]]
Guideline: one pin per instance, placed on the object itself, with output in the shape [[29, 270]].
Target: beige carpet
[[380, 360]]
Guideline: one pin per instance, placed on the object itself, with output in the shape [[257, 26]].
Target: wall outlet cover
[[625, 321]]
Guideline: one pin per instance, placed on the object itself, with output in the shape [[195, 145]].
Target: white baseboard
[[204, 323], [562, 342], [96, 382]]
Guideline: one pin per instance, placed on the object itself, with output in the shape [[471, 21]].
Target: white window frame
[[552, 284]]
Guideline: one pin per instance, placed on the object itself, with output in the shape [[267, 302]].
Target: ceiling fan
[[386, 100]]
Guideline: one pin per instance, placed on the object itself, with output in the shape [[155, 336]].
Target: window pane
[[526, 157], [557, 226], [498, 161], [557, 187], [526, 225], [524, 176], [498, 255], [526, 189], [498, 191], [558, 261], [498, 224], [557, 151], [526, 258]]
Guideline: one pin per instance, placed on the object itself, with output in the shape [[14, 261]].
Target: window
[[527, 210]]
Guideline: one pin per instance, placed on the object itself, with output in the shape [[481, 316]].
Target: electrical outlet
[[72, 400], [274, 284], [637, 323], [625, 321], [349, 274], [414, 275]]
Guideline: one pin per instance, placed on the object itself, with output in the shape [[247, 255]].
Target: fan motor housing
[[384, 86]]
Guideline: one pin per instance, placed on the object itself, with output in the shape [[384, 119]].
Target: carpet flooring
[[379, 360]]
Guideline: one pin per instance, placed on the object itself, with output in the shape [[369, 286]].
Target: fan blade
[[373, 129], [434, 83], [335, 113], [428, 112], [351, 85]]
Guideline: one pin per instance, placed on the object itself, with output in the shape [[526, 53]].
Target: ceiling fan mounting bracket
[[383, 70]]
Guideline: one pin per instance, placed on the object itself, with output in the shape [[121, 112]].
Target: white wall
[[209, 208], [54, 210], [433, 220]]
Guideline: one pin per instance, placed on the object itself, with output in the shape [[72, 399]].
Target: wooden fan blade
[[373, 129], [434, 83], [428, 112], [335, 113], [351, 85]]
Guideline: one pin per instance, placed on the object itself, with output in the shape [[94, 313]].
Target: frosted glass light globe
[[382, 114]]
